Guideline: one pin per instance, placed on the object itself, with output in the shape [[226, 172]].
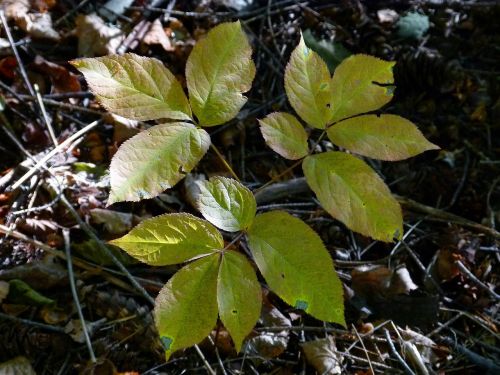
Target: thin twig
[[223, 160], [76, 300], [32, 323], [204, 360], [364, 348], [407, 368], [46, 119], [473, 278]]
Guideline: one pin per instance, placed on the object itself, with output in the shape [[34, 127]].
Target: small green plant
[[345, 185], [218, 71], [218, 280]]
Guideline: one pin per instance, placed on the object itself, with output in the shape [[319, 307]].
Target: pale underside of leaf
[[226, 203], [155, 160], [171, 239], [361, 83], [135, 87], [285, 135], [239, 296], [218, 71], [384, 137], [186, 308], [296, 265], [308, 86], [353, 193]]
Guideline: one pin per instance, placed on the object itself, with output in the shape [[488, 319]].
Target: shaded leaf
[[296, 265], [170, 239], [285, 135], [96, 37], [186, 307], [354, 194], [22, 294], [357, 86], [226, 203], [239, 296], [385, 137], [135, 87], [413, 25], [91, 251], [218, 71], [308, 86], [333, 53], [155, 160]]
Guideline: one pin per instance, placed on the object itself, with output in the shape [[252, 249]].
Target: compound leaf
[[155, 160], [218, 72], [354, 194], [308, 86], [285, 135], [170, 239], [385, 137], [296, 265], [135, 87], [226, 203], [186, 308], [239, 296], [361, 83]]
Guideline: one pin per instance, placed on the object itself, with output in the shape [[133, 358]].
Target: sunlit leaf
[[239, 296], [361, 83], [226, 203], [308, 86], [385, 137], [218, 72], [170, 239], [285, 135], [186, 308], [155, 160], [135, 87], [296, 265], [354, 194]]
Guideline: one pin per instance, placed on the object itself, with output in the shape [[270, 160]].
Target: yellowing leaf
[[239, 296], [385, 137], [186, 308], [218, 71], [308, 86], [155, 160], [170, 239], [356, 86], [285, 135], [135, 87], [354, 194], [226, 203], [296, 265]]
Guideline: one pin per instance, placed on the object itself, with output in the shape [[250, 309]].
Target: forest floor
[[426, 304]]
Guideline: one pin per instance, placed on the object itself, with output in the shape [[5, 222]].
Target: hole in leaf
[[301, 305], [182, 171], [234, 311], [142, 194], [282, 275], [328, 105], [166, 342]]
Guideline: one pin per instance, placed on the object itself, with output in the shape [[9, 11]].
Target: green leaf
[[218, 71], [357, 86], [296, 265], [226, 203], [155, 160], [239, 296], [22, 294], [385, 137], [354, 194], [135, 87], [285, 135], [331, 52], [308, 86], [186, 308], [170, 239]]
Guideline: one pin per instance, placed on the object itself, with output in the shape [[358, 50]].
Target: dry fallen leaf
[[156, 35], [62, 79], [95, 38], [38, 25], [321, 354], [17, 366]]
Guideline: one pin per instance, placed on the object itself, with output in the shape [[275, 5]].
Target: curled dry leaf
[[322, 355], [156, 35], [95, 38]]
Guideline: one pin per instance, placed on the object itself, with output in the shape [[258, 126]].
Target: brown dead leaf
[[62, 79], [17, 366], [321, 354], [15, 9], [95, 38], [8, 67], [43, 5], [38, 26], [156, 36]]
